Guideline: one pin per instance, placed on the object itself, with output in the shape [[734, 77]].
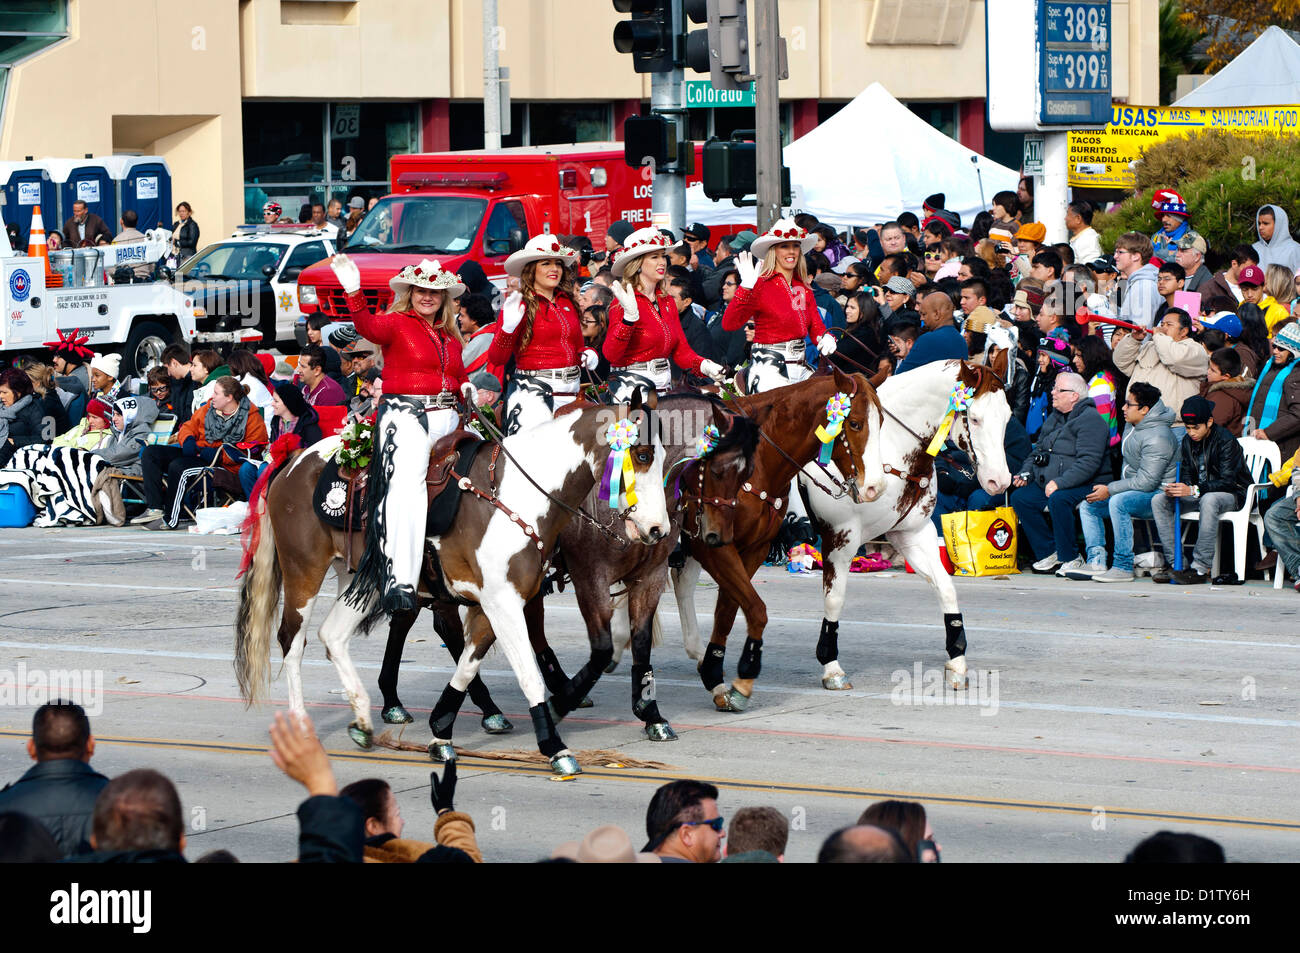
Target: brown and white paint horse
[[915, 405], [493, 557]]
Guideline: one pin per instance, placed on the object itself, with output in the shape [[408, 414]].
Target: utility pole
[[1051, 189], [668, 200], [491, 78], [767, 109]]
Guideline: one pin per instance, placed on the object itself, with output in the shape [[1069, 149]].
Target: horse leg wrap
[[482, 699], [576, 689], [955, 630], [552, 674], [711, 672], [828, 644], [548, 739], [644, 705], [443, 717], [751, 659]]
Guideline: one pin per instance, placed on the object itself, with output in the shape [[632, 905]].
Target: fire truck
[[482, 206]]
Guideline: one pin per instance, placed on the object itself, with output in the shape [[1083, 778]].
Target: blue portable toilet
[[89, 181], [23, 186], [144, 185]]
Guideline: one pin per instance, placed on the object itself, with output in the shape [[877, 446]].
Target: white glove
[[626, 298], [348, 273], [712, 369], [590, 359], [748, 268], [512, 313], [468, 391], [827, 344]]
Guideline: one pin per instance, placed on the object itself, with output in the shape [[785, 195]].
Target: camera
[[1040, 458]]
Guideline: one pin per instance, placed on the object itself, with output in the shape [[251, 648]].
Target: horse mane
[[742, 434], [983, 379]]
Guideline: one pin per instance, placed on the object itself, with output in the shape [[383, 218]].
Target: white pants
[[532, 402], [405, 505], [621, 390]]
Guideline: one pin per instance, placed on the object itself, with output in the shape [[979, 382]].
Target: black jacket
[[1018, 393], [182, 399], [1215, 464], [27, 427], [187, 242], [859, 347], [61, 795], [729, 347], [306, 427], [955, 472], [52, 407], [331, 830]]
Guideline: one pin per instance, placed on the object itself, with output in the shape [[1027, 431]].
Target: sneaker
[[148, 516], [1114, 575], [1188, 577], [159, 524], [1086, 571], [1047, 564], [1074, 565], [1161, 575]]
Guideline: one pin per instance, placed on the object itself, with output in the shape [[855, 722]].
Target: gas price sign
[[1074, 43]]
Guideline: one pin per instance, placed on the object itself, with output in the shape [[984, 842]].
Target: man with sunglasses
[[1275, 402], [683, 824]]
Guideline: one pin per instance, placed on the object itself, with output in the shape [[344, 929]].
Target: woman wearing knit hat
[[423, 376], [778, 297], [103, 376], [541, 328], [645, 331]]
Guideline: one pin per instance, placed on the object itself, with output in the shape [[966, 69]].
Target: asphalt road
[[1104, 713]]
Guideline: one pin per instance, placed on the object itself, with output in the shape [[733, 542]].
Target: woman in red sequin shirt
[[645, 331], [423, 376], [541, 328]]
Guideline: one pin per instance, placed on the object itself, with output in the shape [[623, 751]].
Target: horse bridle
[[924, 482]]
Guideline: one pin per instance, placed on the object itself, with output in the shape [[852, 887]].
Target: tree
[[1233, 24], [1177, 38]]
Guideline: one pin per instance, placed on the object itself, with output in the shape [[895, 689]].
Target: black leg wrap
[[443, 717], [548, 739], [552, 674], [828, 645], [955, 631], [644, 705], [711, 672], [482, 699], [751, 659], [576, 689]]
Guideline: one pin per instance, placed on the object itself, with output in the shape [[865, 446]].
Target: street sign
[[1032, 163], [1074, 47], [700, 93]]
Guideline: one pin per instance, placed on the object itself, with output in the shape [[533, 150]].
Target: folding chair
[[1262, 457]]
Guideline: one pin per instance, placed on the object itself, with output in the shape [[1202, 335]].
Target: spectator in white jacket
[[1084, 240]]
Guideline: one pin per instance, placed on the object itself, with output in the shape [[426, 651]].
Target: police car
[[250, 279]]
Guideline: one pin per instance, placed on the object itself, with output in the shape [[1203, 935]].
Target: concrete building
[[295, 99]]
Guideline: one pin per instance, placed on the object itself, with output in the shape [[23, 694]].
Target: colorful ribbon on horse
[[837, 409], [958, 400], [619, 478]]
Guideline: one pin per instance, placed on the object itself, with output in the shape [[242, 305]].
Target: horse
[[707, 484], [967, 397], [789, 419], [493, 557]]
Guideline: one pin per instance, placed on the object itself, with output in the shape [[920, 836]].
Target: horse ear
[[999, 359], [841, 380], [722, 419], [652, 400], [634, 404]]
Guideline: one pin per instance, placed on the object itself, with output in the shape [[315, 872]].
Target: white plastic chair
[[1262, 457]]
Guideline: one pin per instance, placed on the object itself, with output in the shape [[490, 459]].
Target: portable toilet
[[144, 184], [89, 181], [23, 186]]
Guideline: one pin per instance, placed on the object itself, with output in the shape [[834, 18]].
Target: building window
[[534, 124], [26, 28], [943, 116], [303, 152]]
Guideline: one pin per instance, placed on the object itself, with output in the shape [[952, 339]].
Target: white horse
[[915, 405]]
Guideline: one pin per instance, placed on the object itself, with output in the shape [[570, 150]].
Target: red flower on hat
[[555, 246]]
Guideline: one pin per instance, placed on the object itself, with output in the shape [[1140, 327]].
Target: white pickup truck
[[138, 319]]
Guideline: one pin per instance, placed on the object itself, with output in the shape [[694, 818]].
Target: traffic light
[[722, 50], [648, 36], [731, 172], [649, 138]]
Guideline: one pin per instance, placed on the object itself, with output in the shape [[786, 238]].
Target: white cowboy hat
[[540, 248], [428, 274], [784, 230], [643, 241]]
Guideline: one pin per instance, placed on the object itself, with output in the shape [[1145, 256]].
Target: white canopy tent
[[1266, 73], [870, 162]]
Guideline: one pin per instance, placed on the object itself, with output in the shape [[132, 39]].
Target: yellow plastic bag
[[982, 542]]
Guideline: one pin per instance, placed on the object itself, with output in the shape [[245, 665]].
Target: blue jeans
[[1122, 509], [248, 473], [1029, 501], [950, 503]]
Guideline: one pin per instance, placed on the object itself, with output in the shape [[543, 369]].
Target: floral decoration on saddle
[[358, 445]]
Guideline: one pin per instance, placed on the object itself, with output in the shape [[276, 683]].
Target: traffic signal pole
[[491, 78], [668, 200], [767, 109]]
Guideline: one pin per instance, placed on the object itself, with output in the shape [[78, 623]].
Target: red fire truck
[[481, 206]]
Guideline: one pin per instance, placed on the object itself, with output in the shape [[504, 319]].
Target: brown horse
[[705, 491], [494, 556], [788, 418]]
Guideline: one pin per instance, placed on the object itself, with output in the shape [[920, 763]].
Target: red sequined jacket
[[779, 311], [657, 333], [556, 340], [417, 359]]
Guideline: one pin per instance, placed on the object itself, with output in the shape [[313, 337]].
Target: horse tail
[[259, 597]]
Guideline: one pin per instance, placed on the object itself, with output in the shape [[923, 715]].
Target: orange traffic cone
[[37, 248]]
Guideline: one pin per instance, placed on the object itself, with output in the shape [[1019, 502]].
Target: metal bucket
[[88, 272], [61, 262]]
